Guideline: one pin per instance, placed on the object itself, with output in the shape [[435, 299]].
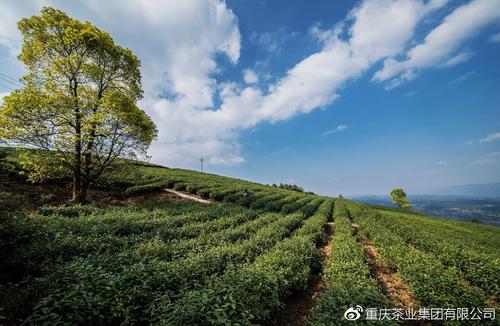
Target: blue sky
[[338, 97]]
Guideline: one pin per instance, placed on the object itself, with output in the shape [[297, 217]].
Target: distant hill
[[460, 207], [482, 190]]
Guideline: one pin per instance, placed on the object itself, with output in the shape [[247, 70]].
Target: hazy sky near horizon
[[351, 97]]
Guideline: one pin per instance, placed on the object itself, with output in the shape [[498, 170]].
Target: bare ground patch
[[31, 196], [188, 196], [326, 249]]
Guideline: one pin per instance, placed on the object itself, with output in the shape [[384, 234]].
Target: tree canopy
[[289, 187], [78, 106], [399, 197]]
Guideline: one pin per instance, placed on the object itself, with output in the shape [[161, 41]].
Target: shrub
[[180, 186], [192, 189], [145, 188], [204, 193], [217, 195]]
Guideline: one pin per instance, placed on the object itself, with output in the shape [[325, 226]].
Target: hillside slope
[[242, 259]]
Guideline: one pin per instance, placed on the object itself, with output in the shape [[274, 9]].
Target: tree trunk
[[77, 172], [87, 178], [83, 192], [77, 188], [77, 168]]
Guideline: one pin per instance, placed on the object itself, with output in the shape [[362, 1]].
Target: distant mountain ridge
[[485, 210], [481, 190]]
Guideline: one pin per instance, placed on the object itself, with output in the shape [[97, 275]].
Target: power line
[[9, 88], [9, 79]]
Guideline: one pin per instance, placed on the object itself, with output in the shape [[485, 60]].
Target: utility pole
[[202, 159]]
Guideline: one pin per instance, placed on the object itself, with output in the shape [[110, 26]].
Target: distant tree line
[[289, 187]]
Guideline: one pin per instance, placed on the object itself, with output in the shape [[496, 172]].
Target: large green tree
[[399, 197], [78, 107]]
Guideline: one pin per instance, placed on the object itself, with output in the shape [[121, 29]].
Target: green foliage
[[183, 262], [9, 203], [289, 186], [432, 281], [180, 186], [315, 226], [78, 104], [67, 211], [250, 293], [145, 264], [144, 179], [6, 168], [346, 275], [146, 188], [398, 197], [475, 262]]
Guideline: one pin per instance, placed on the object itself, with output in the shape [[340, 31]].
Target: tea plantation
[[239, 260]]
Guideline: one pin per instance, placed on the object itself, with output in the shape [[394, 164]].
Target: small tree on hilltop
[[78, 105], [399, 197]]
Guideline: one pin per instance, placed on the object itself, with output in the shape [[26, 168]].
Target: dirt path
[[390, 282], [327, 248], [186, 196], [299, 305]]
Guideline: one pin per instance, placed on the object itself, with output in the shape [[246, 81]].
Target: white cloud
[[341, 128], [10, 37], [442, 163], [324, 35], [468, 142], [495, 38], [490, 138], [250, 76], [187, 153], [310, 84], [459, 58], [280, 151], [273, 42], [313, 82], [488, 159], [337, 129], [375, 40], [441, 44], [2, 95], [462, 77], [177, 43]]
